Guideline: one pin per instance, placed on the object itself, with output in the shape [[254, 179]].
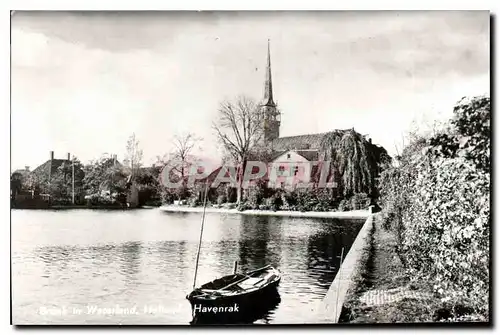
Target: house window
[[296, 171], [281, 170], [288, 156]]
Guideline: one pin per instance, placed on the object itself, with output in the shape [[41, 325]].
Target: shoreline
[[356, 214], [69, 207]]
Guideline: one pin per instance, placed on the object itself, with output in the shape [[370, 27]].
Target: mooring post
[[235, 266]]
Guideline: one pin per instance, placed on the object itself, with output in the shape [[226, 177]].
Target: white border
[[178, 5]]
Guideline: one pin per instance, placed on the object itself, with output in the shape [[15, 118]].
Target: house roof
[[277, 154], [49, 165], [22, 172], [310, 154]]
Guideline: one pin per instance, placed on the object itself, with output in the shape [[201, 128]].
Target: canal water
[[136, 267]]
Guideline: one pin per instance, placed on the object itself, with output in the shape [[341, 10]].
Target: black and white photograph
[[186, 168]]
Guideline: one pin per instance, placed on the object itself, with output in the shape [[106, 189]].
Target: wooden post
[[235, 267]]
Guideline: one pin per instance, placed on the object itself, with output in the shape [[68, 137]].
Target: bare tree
[[183, 146], [133, 156], [239, 129]]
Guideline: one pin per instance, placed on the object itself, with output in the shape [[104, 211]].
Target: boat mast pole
[[73, 180], [201, 234]]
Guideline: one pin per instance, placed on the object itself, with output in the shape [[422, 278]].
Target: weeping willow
[[355, 160]]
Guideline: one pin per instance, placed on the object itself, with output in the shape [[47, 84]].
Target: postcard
[[250, 167]]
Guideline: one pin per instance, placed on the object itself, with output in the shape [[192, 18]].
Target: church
[[292, 156], [294, 159]]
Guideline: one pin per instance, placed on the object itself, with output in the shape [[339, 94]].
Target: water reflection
[[323, 257], [129, 260], [324, 252], [169, 253], [259, 237], [145, 259]]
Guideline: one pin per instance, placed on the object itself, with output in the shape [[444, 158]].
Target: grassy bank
[[383, 293]]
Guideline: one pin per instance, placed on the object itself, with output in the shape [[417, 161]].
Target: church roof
[[299, 142]]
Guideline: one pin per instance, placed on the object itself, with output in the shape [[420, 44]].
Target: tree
[[133, 156], [15, 184], [183, 144], [357, 161], [61, 183], [469, 135], [239, 129], [104, 175]]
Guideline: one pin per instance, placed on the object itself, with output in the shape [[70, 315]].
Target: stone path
[[381, 297], [385, 284]]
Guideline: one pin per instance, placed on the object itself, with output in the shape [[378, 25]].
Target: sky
[[83, 82]]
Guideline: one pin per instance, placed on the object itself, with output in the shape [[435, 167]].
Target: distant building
[[45, 171], [23, 174]]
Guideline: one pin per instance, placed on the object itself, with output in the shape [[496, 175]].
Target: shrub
[[360, 201], [325, 201], [274, 202], [193, 201], [446, 238], [253, 199], [167, 195], [306, 201], [243, 206], [289, 200], [256, 194], [221, 199], [345, 205]]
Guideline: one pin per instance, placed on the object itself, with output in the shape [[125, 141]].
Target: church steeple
[[268, 86], [271, 121]]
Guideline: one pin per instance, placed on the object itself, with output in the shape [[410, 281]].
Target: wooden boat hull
[[214, 302], [244, 298], [250, 307]]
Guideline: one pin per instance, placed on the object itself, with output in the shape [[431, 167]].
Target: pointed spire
[[268, 86]]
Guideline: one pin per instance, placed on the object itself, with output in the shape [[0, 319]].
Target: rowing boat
[[236, 296]]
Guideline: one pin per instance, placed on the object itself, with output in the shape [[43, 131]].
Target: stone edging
[[328, 311]]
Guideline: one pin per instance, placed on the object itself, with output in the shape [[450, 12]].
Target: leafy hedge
[[437, 201], [447, 237]]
